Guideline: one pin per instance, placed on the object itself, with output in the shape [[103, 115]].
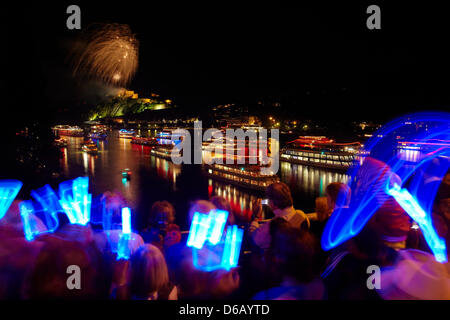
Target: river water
[[155, 179]]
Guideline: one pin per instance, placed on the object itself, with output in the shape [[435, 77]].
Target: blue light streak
[[417, 200], [123, 247], [233, 242], [30, 221], [75, 200], [126, 220], [48, 200], [29, 227], [201, 223], [415, 211], [8, 192]]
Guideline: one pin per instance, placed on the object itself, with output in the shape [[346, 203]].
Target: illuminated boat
[[62, 143], [65, 130], [126, 174], [90, 148], [414, 151], [98, 135], [165, 144], [127, 134], [319, 151], [165, 137], [246, 176], [163, 151], [247, 151], [247, 162], [146, 141]]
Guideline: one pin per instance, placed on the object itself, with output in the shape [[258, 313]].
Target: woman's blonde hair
[[149, 271]]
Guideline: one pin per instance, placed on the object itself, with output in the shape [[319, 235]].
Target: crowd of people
[[281, 256]]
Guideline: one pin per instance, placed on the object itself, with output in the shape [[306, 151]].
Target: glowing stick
[[415, 211], [31, 225], [47, 199], [219, 218], [193, 230], [75, 200], [8, 192], [198, 232], [126, 220], [27, 209], [232, 247], [123, 247]]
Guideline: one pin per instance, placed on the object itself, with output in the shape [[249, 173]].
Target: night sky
[[320, 61]]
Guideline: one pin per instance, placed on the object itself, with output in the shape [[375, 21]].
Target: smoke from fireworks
[[108, 52]]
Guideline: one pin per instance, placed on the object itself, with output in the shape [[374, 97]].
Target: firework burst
[[108, 52]]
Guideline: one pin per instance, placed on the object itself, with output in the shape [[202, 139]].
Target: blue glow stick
[[232, 248], [27, 209], [123, 247], [207, 227], [415, 211], [199, 230], [50, 205], [75, 200], [31, 227], [218, 219], [8, 192], [126, 220], [224, 255]]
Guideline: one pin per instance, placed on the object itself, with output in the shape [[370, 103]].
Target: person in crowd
[[390, 221], [392, 224], [440, 218], [107, 240], [223, 204], [278, 225], [338, 196], [385, 232], [149, 275], [292, 251], [320, 218], [201, 206], [442, 204], [193, 283], [162, 230], [17, 255], [281, 202], [345, 276], [63, 266], [416, 275], [265, 275]]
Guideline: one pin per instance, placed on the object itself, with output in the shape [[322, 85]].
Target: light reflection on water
[[307, 183], [116, 154]]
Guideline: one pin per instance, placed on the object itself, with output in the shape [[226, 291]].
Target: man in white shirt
[[282, 205]]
